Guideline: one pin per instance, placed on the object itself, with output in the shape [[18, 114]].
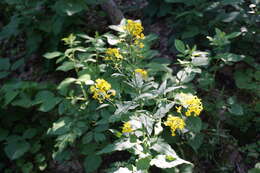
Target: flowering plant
[[121, 81]]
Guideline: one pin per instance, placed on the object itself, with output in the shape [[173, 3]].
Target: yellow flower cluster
[[127, 128], [113, 54], [192, 103], [142, 72], [135, 29], [174, 123], [102, 90]]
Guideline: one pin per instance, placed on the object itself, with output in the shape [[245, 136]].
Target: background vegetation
[[209, 48]]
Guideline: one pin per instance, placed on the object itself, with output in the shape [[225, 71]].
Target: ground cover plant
[[106, 99]]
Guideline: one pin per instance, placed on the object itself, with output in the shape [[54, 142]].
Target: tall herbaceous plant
[[122, 98]]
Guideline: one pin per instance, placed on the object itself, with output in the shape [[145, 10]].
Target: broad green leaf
[[194, 124], [27, 167], [196, 141], [63, 86], [254, 170], [111, 39], [10, 96], [99, 137], [29, 133], [4, 64], [18, 64], [66, 66], [47, 100], [200, 61], [230, 57], [4, 74], [236, 109], [117, 146], [15, 150], [143, 163], [180, 46], [91, 163], [51, 55], [61, 126], [163, 109], [185, 76], [70, 7]]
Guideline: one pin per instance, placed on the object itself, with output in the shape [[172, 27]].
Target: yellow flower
[[102, 90], [142, 72], [113, 54], [135, 29], [127, 128], [174, 123], [139, 43], [178, 109], [192, 103]]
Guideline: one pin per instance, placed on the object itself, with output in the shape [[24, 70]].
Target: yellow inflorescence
[[135, 29], [127, 128], [174, 123], [102, 90], [113, 54], [192, 103], [142, 72]]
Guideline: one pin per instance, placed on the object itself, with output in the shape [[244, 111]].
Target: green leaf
[[180, 46], [63, 86], [4, 74], [70, 7], [99, 137], [236, 109], [200, 61], [15, 150], [196, 141], [143, 163], [91, 163], [51, 55], [185, 76], [163, 109], [194, 124], [66, 66], [4, 64], [117, 146], [29, 133], [160, 161], [9, 96], [230, 57], [47, 100], [254, 170], [17, 64], [61, 126], [27, 167]]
